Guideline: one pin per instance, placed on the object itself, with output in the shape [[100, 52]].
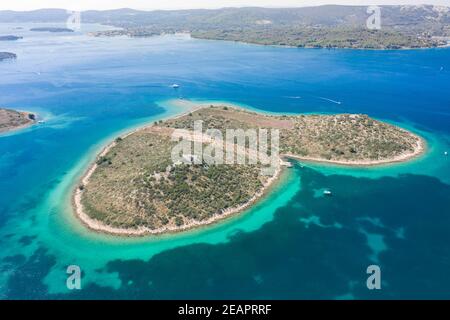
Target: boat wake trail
[[330, 100], [293, 97]]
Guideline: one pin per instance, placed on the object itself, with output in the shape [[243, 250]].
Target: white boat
[[327, 192], [175, 86], [41, 121], [445, 153], [287, 164]]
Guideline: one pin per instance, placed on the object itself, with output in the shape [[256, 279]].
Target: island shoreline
[[419, 150], [22, 126], [98, 226]]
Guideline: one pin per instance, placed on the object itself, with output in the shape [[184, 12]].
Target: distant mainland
[[135, 189], [328, 26]]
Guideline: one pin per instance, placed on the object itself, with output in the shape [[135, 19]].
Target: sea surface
[[294, 244]]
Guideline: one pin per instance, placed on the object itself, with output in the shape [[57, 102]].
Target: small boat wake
[[330, 100], [293, 97]]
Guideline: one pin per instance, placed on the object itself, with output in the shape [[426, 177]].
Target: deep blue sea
[[294, 244]]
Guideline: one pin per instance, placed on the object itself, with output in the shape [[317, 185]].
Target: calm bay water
[[295, 243]]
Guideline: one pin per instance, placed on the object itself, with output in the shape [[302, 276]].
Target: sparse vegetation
[[135, 184], [12, 119]]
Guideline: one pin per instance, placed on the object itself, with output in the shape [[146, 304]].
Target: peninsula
[[134, 188], [13, 120]]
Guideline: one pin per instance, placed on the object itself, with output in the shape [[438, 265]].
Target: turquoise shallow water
[[293, 244]]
